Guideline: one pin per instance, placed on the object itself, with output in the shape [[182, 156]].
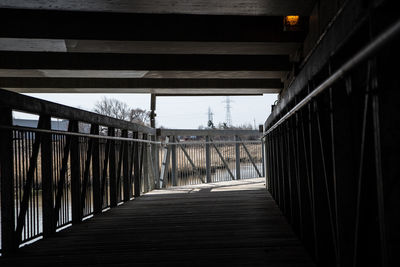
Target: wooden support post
[[165, 163], [75, 175], [7, 183], [141, 158], [126, 172], [86, 172], [103, 194], [97, 205], [153, 111], [237, 150], [113, 170], [156, 160], [151, 166], [173, 161], [145, 166], [47, 178], [136, 176], [208, 160], [263, 149]]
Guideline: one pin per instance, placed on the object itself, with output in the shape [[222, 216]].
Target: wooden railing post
[[136, 175], [47, 178], [7, 183], [173, 161], [156, 161], [75, 175], [208, 160], [126, 164], [113, 170], [97, 205], [263, 149], [145, 166], [237, 150]]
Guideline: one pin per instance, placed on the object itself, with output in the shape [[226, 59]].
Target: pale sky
[[179, 112]]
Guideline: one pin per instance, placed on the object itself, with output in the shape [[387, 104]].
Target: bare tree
[[139, 115], [117, 109], [113, 108]]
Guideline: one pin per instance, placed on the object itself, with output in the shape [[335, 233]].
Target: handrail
[[361, 56], [205, 132]]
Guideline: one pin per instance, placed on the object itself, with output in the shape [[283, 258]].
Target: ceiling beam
[[144, 27], [29, 82], [141, 74], [159, 92], [146, 47], [101, 61], [215, 7]]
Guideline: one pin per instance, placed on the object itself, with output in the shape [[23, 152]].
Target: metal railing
[[326, 154], [50, 179], [208, 160]]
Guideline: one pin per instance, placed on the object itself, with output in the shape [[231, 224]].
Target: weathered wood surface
[[209, 7], [224, 224]]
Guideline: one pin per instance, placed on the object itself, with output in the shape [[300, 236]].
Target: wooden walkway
[[224, 224]]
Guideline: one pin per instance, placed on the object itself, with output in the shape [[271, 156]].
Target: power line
[[228, 116]]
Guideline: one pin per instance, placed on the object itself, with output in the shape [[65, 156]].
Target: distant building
[[60, 125]]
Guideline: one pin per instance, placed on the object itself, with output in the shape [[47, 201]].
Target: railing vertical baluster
[[237, 150], [47, 178], [75, 175], [208, 160], [7, 183], [97, 205]]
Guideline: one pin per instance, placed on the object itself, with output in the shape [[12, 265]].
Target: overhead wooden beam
[[141, 74], [102, 61], [215, 7], [27, 82], [147, 47], [53, 24]]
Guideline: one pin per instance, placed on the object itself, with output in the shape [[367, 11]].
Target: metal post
[[146, 177], [97, 205], [126, 173], [237, 149], [7, 183], [75, 175], [173, 161], [153, 111], [136, 176], [155, 161], [47, 178], [113, 170], [263, 146], [208, 160]]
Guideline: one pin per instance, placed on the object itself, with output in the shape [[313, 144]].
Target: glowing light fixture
[[291, 20], [291, 23]]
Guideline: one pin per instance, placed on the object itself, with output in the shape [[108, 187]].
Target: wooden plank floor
[[223, 224]]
